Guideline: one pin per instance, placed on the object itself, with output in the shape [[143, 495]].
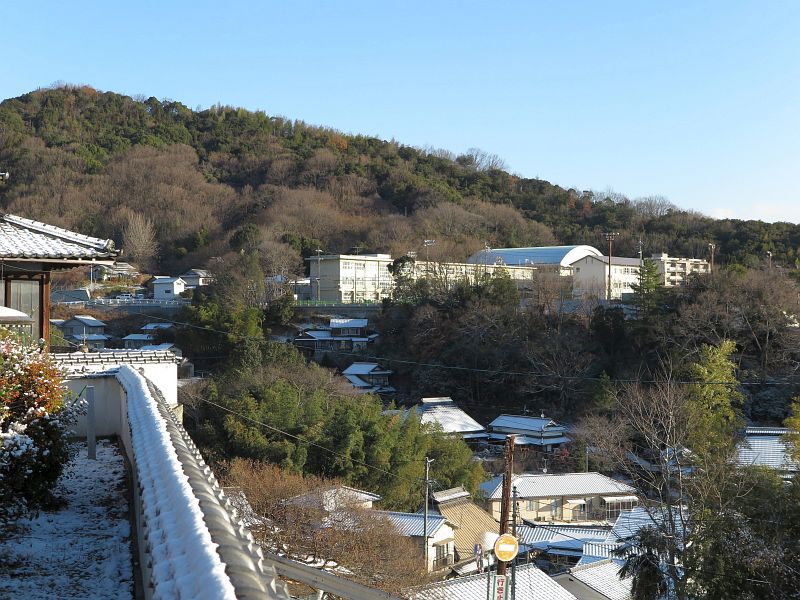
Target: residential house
[[441, 537], [344, 335], [115, 271], [197, 277], [30, 251], [445, 413], [369, 378], [539, 433], [767, 447], [558, 545], [135, 341], [474, 526], [563, 497], [531, 583], [596, 581], [168, 288], [590, 276], [85, 330]]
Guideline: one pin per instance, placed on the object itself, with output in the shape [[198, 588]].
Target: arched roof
[[538, 255]]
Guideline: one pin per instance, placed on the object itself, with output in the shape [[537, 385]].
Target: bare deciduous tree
[[139, 240]]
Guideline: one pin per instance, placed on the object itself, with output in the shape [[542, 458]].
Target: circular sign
[[506, 547]]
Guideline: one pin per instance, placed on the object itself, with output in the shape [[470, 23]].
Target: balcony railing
[[442, 562]]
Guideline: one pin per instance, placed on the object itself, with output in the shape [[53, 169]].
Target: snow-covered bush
[[33, 427]]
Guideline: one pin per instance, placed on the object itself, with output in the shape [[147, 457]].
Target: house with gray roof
[[596, 581], [540, 433], [440, 535], [85, 330], [168, 288], [30, 251], [445, 413], [531, 584], [564, 497], [767, 447], [369, 378]]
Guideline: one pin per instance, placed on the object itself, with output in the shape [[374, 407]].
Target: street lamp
[[4, 175], [769, 259], [610, 236]]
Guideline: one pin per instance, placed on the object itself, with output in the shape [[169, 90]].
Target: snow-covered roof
[[356, 381], [141, 337], [197, 273], [11, 315], [543, 535], [602, 577], [76, 360], [154, 326], [339, 323], [91, 337], [449, 495], [524, 423], [446, 413], [166, 346], [534, 583], [413, 524], [336, 498], [25, 239], [528, 440], [168, 280], [766, 447], [538, 255], [548, 485], [363, 368], [89, 321]]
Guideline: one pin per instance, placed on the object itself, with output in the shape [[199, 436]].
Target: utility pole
[[769, 259], [428, 462], [610, 236], [641, 256], [505, 501], [319, 266], [514, 533], [712, 247]]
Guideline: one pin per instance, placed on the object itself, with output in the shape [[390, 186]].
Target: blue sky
[[695, 101]]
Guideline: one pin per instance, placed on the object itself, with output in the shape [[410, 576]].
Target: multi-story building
[[675, 271], [349, 278], [590, 276]]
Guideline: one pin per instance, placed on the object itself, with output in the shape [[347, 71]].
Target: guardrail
[[124, 302], [366, 303]]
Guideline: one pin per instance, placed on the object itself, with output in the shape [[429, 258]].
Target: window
[[24, 296]]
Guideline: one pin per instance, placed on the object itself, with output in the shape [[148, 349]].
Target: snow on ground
[[81, 551]]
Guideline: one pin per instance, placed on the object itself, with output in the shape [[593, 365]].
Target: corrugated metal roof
[[451, 494], [620, 261], [603, 577], [556, 485], [26, 239], [413, 524], [475, 525], [532, 584], [538, 255], [446, 413], [535, 534], [767, 448]]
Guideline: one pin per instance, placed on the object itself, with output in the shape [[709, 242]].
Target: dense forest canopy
[[141, 169]]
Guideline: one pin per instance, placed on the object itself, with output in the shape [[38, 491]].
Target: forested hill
[[114, 166]]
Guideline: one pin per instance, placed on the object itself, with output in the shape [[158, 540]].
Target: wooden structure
[[29, 252]]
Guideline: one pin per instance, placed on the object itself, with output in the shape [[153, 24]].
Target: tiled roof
[[603, 577], [338, 323], [361, 368], [475, 525], [446, 413], [26, 239], [89, 321], [91, 337], [532, 584], [451, 494], [168, 280], [413, 524], [551, 485], [528, 440], [113, 358], [524, 423], [145, 337], [154, 326]]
